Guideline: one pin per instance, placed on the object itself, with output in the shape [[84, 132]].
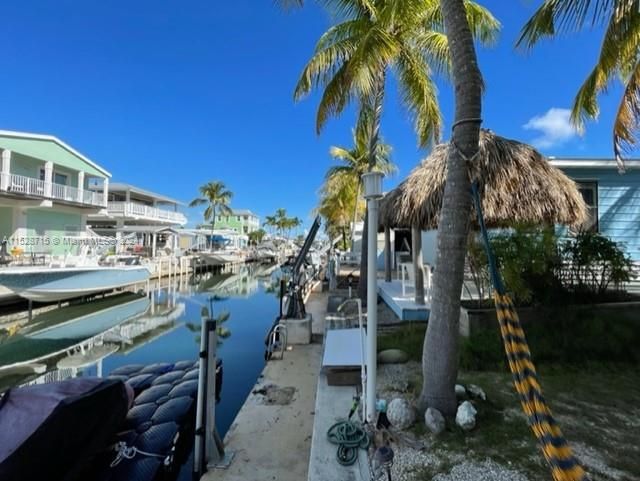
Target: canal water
[[163, 327]]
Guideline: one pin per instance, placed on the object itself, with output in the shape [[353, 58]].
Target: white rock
[[434, 421], [461, 392], [466, 416], [476, 392], [400, 413]]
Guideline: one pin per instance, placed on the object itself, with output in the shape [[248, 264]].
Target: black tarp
[[53, 431]]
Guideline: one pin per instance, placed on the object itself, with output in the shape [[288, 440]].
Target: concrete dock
[[271, 436]]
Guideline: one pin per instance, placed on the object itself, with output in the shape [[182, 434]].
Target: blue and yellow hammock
[[556, 450]]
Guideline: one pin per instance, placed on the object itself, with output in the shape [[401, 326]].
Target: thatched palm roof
[[517, 184]]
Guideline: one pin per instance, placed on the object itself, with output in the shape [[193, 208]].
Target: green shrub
[[595, 263]]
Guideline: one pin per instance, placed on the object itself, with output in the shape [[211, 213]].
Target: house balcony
[[138, 211], [30, 187]]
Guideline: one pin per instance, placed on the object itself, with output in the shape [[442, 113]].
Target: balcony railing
[[20, 184], [134, 209]]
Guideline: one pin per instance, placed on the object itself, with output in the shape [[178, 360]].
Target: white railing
[[135, 209], [20, 184]]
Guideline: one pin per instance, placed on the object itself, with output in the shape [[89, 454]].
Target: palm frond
[[197, 202], [626, 131], [420, 95], [561, 16]]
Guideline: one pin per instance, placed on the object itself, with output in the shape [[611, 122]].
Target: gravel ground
[[412, 464], [486, 470]]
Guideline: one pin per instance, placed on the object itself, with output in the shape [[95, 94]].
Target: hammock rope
[[556, 450]]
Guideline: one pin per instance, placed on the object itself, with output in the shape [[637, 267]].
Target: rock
[[476, 392], [400, 413], [461, 392], [392, 356], [466, 416], [434, 421]]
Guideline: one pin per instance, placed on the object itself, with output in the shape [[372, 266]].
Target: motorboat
[[220, 257], [50, 284]]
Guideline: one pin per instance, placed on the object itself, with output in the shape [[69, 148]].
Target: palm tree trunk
[[440, 353], [416, 253], [378, 99], [213, 223]]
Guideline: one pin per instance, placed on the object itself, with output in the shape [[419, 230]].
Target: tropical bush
[[539, 268], [593, 264]]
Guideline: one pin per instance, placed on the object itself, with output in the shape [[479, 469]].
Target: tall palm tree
[[374, 38], [270, 221], [618, 59], [215, 195], [355, 160], [440, 353]]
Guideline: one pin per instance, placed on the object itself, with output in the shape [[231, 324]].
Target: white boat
[[220, 257], [50, 284]]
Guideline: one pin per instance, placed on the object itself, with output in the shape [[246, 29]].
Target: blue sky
[[168, 95]]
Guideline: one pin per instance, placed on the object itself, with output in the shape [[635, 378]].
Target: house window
[[589, 191], [57, 178]]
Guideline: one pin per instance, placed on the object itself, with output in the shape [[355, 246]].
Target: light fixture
[[372, 182]]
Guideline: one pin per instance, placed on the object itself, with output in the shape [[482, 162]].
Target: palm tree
[[618, 59], [440, 352], [355, 161], [338, 198], [270, 221], [217, 198], [375, 37]]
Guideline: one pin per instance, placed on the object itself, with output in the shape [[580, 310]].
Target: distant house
[[613, 198], [132, 211], [44, 192], [242, 221]]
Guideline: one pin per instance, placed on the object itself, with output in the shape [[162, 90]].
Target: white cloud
[[554, 126]]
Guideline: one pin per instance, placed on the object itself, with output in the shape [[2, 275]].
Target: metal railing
[[20, 184], [136, 209]]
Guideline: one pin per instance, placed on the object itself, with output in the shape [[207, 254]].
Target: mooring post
[[30, 310], [198, 449]]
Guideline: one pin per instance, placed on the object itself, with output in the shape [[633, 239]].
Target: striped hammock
[[556, 450]]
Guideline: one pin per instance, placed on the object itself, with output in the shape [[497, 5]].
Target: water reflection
[[96, 337]]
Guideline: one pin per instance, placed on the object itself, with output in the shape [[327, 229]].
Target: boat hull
[[58, 284]]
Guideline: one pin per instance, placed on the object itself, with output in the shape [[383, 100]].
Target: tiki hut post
[[416, 253], [387, 254]]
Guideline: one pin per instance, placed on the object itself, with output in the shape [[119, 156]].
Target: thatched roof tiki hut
[[516, 184]]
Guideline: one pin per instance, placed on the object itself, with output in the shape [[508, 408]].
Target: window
[[57, 178], [589, 191], [238, 218]]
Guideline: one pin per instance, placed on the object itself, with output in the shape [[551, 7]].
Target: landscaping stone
[[476, 392], [392, 356], [400, 413], [434, 421], [461, 392], [466, 416]]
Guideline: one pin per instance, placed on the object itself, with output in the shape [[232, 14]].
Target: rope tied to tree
[[556, 450]]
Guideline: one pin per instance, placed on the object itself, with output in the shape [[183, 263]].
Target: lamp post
[[372, 182]]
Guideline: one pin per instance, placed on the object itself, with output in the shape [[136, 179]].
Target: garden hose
[[349, 437]]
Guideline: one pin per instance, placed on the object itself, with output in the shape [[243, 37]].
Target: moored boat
[[60, 283]]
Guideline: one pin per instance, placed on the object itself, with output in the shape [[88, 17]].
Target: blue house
[[613, 198]]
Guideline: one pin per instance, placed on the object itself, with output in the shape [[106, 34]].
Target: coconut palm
[[440, 353], [270, 221], [374, 38], [215, 195], [355, 160], [618, 59]]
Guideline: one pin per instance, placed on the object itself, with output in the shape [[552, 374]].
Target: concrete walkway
[[271, 436]]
